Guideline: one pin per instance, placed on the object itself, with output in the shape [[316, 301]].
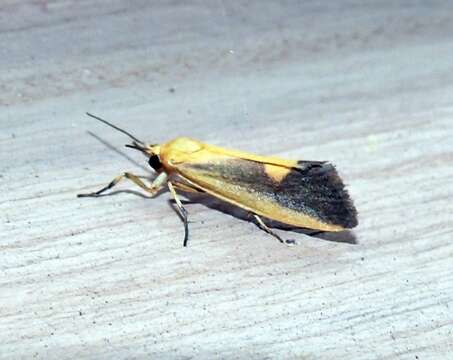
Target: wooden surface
[[367, 85]]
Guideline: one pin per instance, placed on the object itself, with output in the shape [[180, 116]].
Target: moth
[[299, 193]]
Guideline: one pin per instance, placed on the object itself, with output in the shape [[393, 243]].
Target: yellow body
[[191, 161]]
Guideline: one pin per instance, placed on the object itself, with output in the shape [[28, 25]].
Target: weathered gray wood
[[367, 85]]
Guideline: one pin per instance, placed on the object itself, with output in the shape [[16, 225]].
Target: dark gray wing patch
[[316, 188], [313, 187]]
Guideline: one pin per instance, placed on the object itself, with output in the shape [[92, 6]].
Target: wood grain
[[367, 85]]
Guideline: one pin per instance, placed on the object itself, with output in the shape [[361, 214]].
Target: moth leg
[[152, 189], [182, 211], [264, 227]]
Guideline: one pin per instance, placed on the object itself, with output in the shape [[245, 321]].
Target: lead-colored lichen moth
[[306, 194]]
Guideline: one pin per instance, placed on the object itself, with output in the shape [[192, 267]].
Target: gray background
[[367, 85]]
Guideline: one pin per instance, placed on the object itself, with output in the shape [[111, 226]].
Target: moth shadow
[[119, 152], [346, 236]]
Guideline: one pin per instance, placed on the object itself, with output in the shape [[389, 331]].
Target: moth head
[[152, 151]]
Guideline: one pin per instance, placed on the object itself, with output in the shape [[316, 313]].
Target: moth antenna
[[116, 128]]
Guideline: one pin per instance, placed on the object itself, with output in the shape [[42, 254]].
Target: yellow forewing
[[266, 186]]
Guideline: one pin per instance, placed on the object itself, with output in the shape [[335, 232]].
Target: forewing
[[309, 194]]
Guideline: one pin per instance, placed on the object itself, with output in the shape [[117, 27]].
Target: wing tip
[[336, 207]]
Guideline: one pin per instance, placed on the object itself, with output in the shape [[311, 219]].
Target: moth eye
[[154, 162]]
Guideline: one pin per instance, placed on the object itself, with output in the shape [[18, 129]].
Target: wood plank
[[366, 85]]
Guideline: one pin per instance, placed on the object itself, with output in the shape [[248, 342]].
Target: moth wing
[[307, 194], [270, 160]]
